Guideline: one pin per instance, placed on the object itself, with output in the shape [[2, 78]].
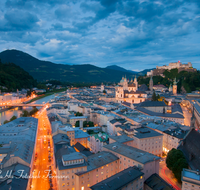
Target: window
[[68, 184], [63, 184], [82, 188]]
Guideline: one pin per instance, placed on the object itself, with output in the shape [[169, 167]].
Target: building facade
[[128, 92]]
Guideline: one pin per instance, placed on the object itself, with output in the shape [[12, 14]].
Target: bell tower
[[151, 84], [136, 83], [175, 87]]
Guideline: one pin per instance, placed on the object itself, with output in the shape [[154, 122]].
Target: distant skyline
[[133, 34]]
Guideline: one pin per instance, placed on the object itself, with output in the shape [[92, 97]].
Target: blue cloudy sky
[[134, 34]]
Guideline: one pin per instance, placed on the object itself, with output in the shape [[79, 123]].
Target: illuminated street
[[168, 176], [44, 163], [186, 115]]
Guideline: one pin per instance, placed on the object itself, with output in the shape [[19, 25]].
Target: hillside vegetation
[[13, 77], [189, 80], [44, 70]]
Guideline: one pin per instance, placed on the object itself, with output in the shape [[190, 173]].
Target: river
[[6, 115]]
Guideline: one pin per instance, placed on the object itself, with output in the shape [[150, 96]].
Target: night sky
[[134, 34]]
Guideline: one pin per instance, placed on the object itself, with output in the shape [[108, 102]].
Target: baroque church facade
[[127, 91]]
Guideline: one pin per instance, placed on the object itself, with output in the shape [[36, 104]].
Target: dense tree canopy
[[78, 114], [176, 162], [189, 80], [13, 77]]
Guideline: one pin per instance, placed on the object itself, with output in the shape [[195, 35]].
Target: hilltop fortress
[[177, 65]]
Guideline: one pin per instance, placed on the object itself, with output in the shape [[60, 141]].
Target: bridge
[[25, 105]]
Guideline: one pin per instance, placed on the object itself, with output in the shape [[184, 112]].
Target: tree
[[88, 124], [28, 93], [41, 86], [104, 91], [25, 113], [33, 111], [91, 124], [176, 162], [77, 124], [154, 97], [6, 121], [78, 114], [13, 118], [178, 168]]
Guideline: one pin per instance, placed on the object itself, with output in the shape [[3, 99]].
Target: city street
[[186, 115], [44, 166], [168, 176]]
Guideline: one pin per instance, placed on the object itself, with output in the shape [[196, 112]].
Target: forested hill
[[187, 81], [13, 77], [43, 70]]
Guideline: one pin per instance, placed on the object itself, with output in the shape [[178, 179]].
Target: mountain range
[[140, 73], [45, 70]]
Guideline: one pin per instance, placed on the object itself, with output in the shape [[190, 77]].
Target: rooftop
[[98, 160], [121, 138], [194, 175], [73, 156], [118, 180], [144, 132], [131, 152], [155, 182], [191, 150]]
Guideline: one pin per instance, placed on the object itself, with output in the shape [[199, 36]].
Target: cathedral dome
[[131, 85]]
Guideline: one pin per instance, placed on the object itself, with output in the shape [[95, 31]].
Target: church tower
[[192, 122], [151, 84], [170, 88], [125, 84], [136, 83], [102, 87], [175, 87]]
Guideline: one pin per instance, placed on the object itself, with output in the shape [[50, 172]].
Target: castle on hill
[[176, 65]]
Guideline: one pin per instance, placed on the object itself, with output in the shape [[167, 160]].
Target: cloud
[[135, 34], [16, 20]]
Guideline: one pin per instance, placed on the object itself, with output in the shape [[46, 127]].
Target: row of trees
[[78, 114], [25, 113], [11, 119], [85, 124], [176, 162]]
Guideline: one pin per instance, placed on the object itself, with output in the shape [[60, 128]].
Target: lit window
[[141, 177], [63, 184], [82, 188]]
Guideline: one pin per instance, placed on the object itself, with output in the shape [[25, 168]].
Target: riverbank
[[47, 94], [5, 109], [41, 96]]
